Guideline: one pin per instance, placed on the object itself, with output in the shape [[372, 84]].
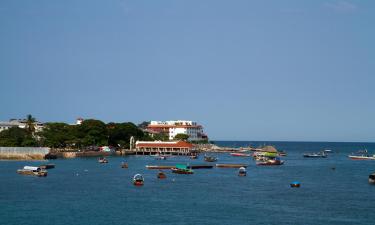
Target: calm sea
[[82, 191]]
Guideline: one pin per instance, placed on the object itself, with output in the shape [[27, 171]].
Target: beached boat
[[315, 155], [371, 178], [47, 166], [242, 172], [124, 165], [102, 160], [182, 169], [161, 175], [230, 165], [210, 158], [138, 180], [270, 162], [240, 154], [32, 170]]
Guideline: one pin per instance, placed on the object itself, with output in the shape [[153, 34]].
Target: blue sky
[[246, 70]]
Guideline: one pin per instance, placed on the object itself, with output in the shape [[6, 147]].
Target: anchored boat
[[315, 155], [240, 154], [32, 170], [182, 169], [210, 158], [161, 175], [361, 155], [242, 172], [102, 160], [270, 162], [371, 178], [47, 166], [138, 180]]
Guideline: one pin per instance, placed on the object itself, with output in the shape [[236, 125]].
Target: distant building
[[79, 121], [174, 127], [21, 123]]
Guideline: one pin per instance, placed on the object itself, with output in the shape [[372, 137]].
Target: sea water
[[82, 191]]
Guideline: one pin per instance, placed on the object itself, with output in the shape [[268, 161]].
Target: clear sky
[[246, 70]]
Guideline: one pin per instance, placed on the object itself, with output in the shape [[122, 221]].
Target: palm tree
[[30, 124]]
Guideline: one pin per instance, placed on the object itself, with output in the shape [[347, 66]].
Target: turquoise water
[[82, 191]]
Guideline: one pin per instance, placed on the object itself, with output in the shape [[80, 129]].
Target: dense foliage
[[61, 135]]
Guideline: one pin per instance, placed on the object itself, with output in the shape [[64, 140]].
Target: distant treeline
[[61, 135]]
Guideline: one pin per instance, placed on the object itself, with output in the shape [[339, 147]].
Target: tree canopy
[[181, 136]]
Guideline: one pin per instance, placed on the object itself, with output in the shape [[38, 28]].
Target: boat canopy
[[269, 148], [138, 177], [31, 168], [181, 166], [270, 154]]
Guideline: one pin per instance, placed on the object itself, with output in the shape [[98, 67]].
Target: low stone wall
[[23, 153]]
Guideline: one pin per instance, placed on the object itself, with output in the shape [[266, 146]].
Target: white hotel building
[[174, 127]]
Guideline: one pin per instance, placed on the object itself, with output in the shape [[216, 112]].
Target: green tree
[[57, 135], [92, 132], [181, 136], [144, 124], [120, 133], [12, 137], [30, 124]]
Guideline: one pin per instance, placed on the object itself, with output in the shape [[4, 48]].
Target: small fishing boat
[[295, 184], [32, 170], [182, 169], [47, 166], [315, 155], [242, 172], [371, 178], [361, 155], [138, 180], [102, 160], [270, 162], [124, 165], [161, 175], [240, 154], [210, 158]]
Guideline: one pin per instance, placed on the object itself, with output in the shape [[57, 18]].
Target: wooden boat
[[200, 166], [161, 175], [47, 166], [124, 165], [157, 167], [210, 158], [295, 184], [102, 160], [32, 170], [231, 165], [371, 178], [240, 154], [270, 162], [242, 172], [182, 169], [138, 180], [315, 155]]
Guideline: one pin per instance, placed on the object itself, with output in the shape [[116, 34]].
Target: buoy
[[295, 184]]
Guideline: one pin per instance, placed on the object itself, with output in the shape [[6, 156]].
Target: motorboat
[[242, 172], [138, 180], [161, 175], [182, 169], [102, 160], [371, 178], [32, 170], [315, 155], [361, 155]]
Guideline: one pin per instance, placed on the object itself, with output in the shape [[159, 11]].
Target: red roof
[[179, 144]]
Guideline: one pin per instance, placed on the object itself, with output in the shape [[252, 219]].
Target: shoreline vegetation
[[82, 140]]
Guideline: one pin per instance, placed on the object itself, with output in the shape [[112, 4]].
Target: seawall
[[23, 153]]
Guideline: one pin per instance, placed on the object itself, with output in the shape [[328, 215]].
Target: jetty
[[231, 165]]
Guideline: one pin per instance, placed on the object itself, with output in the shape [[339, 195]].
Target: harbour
[[204, 196]]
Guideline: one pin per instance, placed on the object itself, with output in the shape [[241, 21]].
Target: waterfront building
[[174, 127], [163, 147]]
